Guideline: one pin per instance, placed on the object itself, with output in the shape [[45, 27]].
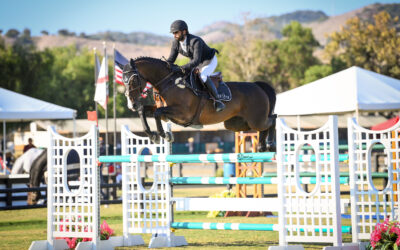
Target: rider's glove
[[178, 69]]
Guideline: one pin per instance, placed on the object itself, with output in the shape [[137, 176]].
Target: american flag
[[120, 61]]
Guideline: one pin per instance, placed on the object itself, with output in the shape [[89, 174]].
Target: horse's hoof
[[271, 147], [155, 138], [262, 148], [169, 137]]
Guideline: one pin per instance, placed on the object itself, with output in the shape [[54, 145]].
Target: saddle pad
[[224, 93], [189, 81]]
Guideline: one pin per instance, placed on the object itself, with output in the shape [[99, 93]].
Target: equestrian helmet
[[178, 25]]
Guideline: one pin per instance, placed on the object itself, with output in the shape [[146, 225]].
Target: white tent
[[18, 107], [351, 90]]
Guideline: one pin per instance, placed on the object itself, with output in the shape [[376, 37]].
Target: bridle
[[135, 73], [137, 105]]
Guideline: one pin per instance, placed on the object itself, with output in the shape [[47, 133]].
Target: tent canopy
[[386, 124], [351, 90], [17, 107]]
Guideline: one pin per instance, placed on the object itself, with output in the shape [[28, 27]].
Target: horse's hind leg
[[267, 137], [271, 140], [262, 147]]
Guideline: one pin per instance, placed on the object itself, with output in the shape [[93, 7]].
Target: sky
[[154, 16]]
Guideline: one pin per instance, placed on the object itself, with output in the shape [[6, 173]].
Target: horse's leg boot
[[218, 104]]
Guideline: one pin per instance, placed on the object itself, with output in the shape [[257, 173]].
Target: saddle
[[193, 82]]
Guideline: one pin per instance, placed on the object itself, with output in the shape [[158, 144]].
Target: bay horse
[[251, 107]]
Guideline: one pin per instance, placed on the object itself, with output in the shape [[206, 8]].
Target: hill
[[129, 50], [139, 38], [147, 44]]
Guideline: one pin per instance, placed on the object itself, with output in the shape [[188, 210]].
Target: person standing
[[29, 145]]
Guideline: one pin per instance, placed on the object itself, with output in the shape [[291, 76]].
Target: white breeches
[[208, 69]]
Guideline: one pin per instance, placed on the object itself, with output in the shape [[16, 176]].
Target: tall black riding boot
[[218, 104]]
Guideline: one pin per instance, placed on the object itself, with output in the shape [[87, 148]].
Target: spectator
[[190, 145], [102, 146], [29, 145]]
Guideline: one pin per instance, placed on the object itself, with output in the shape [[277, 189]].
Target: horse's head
[[140, 71], [134, 84]]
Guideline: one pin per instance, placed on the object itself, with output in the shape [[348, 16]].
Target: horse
[[251, 107]]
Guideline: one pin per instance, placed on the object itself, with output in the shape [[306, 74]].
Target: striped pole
[[246, 180], [192, 158], [208, 158], [242, 226]]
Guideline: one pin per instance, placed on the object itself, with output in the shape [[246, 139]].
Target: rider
[[200, 55]]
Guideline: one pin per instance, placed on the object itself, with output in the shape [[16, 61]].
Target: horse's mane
[[147, 58]]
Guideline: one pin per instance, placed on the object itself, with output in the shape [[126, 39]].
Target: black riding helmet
[[178, 25]]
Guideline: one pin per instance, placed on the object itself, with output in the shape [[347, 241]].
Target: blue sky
[[153, 16]]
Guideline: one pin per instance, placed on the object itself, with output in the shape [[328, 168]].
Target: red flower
[[71, 242], [385, 233], [105, 231]]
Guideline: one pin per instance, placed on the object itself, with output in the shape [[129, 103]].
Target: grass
[[18, 228]]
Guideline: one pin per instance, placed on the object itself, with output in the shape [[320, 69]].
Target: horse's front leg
[[154, 137], [158, 114]]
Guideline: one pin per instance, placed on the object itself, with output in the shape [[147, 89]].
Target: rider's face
[[179, 35]]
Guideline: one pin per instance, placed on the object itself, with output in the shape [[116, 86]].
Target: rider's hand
[[177, 69]]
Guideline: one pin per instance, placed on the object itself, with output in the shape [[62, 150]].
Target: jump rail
[[246, 180], [210, 158], [242, 226]]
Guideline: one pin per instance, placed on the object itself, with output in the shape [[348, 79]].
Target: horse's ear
[[132, 63]]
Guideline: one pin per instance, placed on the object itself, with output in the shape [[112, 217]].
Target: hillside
[[322, 29], [147, 44], [321, 24], [127, 49]]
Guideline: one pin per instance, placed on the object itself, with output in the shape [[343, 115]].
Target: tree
[[240, 57], [316, 72], [25, 38], [296, 52], [44, 32], [282, 63], [65, 32], [374, 47], [12, 33]]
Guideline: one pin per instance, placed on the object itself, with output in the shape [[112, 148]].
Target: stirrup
[[219, 105]]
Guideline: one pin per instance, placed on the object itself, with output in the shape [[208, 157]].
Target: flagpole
[[115, 106], [96, 73], [107, 146], [106, 109]]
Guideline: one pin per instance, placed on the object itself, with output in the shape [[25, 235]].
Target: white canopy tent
[[18, 107], [348, 91], [351, 90]]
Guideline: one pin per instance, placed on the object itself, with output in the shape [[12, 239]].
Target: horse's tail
[[270, 91]]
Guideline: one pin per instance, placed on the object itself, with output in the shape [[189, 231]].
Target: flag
[[92, 115], [120, 62], [101, 94], [96, 66]]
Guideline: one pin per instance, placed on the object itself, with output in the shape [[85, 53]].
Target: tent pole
[[74, 128], [298, 123], [4, 144], [357, 116]]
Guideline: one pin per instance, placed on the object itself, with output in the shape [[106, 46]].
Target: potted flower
[[386, 235], [105, 233]]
